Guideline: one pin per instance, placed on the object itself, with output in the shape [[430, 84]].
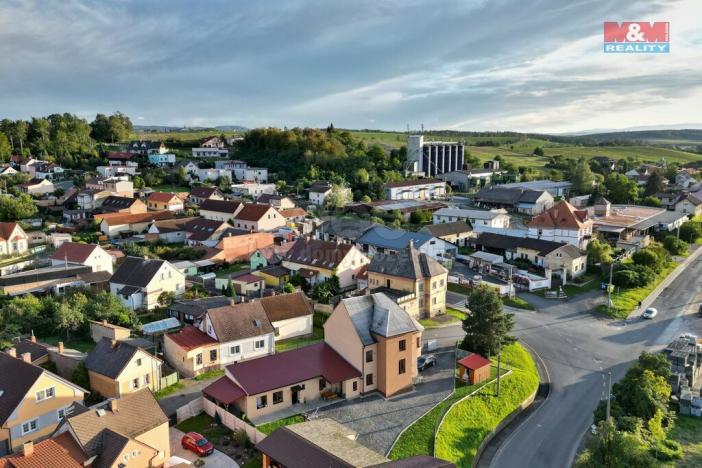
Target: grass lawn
[[171, 188], [457, 288], [517, 302], [231, 269], [170, 390], [210, 374], [80, 343], [273, 425], [418, 439], [204, 424], [459, 314], [294, 343], [451, 316], [688, 432], [627, 300], [468, 422]]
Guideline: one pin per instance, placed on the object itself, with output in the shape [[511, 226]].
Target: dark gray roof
[[377, 313], [446, 229], [107, 360], [37, 350], [349, 228], [136, 271], [502, 242], [117, 203], [220, 206], [508, 195], [294, 451], [407, 263], [112, 445], [14, 389], [198, 307]]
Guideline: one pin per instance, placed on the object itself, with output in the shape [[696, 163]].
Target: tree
[[690, 232], [651, 201], [674, 245], [654, 184], [120, 127], [323, 292], [338, 197], [487, 327], [647, 257], [100, 128], [620, 189], [289, 288], [611, 448], [582, 176], [68, 318], [138, 182], [224, 183], [5, 148], [538, 151], [421, 217], [16, 208], [599, 252], [166, 298]]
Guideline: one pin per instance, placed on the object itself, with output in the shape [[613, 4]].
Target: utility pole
[[609, 395], [499, 362], [609, 286]]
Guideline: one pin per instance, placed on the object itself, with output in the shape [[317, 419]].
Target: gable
[[147, 362]]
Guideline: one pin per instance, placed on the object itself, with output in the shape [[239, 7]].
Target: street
[[578, 349]]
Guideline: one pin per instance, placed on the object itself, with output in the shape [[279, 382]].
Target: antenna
[[422, 129], [408, 130]]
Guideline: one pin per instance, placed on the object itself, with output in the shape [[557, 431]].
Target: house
[[220, 210], [319, 191], [162, 159], [473, 368], [379, 339], [279, 202], [293, 215], [256, 218], [32, 402], [118, 185], [191, 352], [202, 231], [115, 204], [7, 170], [420, 189], [255, 174], [117, 368], [516, 199], [457, 232], [127, 431], [90, 199], [562, 223], [38, 352], [37, 187], [209, 174], [200, 194], [207, 152], [274, 276], [554, 188], [114, 224], [346, 230], [164, 201], [289, 314], [325, 259], [384, 240], [245, 284], [252, 189], [684, 179], [13, 239], [690, 204], [669, 199], [276, 383], [60, 451], [74, 253], [47, 170], [193, 310], [641, 174], [100, 330], [138, 282], [464, 180], [416, 280], [146, 147], [121, 158], [496, 218], [52, 280], [238, 248]]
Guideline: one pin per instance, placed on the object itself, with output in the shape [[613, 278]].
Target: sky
[[481, 65]]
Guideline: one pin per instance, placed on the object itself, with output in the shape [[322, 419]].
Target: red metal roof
[[190, 338], [224, 391], [74, 252], [474, 361], [291, 367]]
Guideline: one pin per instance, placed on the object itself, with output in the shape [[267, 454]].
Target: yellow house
[[164, 201], [117, 368], [125, 432], [415, 280], [32, 401], [274, 276]]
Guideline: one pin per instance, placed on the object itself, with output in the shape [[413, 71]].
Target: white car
[[650, 313]]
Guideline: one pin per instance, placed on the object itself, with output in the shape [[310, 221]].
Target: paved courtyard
[[378, 420], [216, 460]]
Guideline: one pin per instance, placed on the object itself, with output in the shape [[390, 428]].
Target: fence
[[227, 419], [168, 380], [190, 409]]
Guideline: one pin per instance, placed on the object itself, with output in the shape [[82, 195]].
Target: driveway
[[378, 420], [191, 391], [216, 460]]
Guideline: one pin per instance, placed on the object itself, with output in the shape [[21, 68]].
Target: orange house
[[474, 368], [239, 248]]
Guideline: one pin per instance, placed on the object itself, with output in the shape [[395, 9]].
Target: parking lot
[[379, 420]]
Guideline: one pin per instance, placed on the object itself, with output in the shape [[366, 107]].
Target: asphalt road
[[578, 349]]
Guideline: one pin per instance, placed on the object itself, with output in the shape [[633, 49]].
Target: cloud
[[475, 65]]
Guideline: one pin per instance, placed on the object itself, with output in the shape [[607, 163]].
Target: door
[[295, 397]]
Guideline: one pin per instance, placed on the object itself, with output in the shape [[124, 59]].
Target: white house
[[138, 282], [74, 253], [220, 210], [290, 314], [496, 218], [210, 152], [13, 239], [318, 260], [162, 159], [319, 191], [385, 240], [562, 223], [253, 189], [212, 174], [421, 189]]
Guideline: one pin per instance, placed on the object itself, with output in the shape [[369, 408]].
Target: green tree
[[599, 252], [166, 298], [138, 182], [5, 148], [487, 327], [611, 448], [338, 197], [621, 189], [582, 176], [675, 246], [100, 128], [421, 217], [689, 232], [289, 288], [651, 201], [16, 208], [120, 127], [654, 184], [67, 318], [538, 151]]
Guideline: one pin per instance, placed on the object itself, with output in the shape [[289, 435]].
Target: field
[[643, 153], [186, 135]]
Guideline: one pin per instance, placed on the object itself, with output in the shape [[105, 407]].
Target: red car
[[197, 443]]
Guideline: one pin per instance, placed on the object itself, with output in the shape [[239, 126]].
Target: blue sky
[[472, 65]]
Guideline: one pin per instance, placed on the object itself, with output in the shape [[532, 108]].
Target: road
[[578, 349]]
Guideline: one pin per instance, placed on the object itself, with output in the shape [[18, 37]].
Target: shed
[[474, 368]]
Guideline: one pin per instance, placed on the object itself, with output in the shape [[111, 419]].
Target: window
[[262, 401], [322, 384], [277, 397], [441, 283], [213, 355], [147, 379], [30, 426], [198, 359], [354, 386], [403, 345], [433, 300], [235, 349], [369, 356], [135, 383], [419, 342], [61, 413], [369, 379], [46, 394], [433, 285], [138, 362], [401, 366], [260, 344]]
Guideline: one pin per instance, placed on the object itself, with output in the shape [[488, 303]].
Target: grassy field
[[644, 153], [210, 374], [170, 390], [688, 432], [80, 343], [272, 426], [626, 301], [452, 315], [468, 422], [294, 343], [189, 135], [518, 303], [204, 424]]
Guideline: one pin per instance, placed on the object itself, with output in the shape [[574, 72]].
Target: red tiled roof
[[61, 450], [114, 219], [560, 215], [190, 338], [253, 212], [6, 230], [74, 252], [120, 156], [291, 367], [293, 212], [474, 361], [163, 197], [247, 278], [224, 391]]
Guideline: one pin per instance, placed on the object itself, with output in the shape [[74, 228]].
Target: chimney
[[60, 347], [104, 322], [28, 449], [113, 405], [12, 352], [33, 338], [113, 343], [27, 357]]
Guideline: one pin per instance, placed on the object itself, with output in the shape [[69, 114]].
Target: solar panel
[[160, 326]]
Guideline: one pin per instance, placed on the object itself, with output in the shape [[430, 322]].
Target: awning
[[224, 391], [297, 388], [609, 228]]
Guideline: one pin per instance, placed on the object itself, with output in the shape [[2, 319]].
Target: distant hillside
[[168, 129], [679, 138]]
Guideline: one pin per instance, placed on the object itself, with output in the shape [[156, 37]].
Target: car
[[197, 443], [699, 310], [650, 313], [426, 361]]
